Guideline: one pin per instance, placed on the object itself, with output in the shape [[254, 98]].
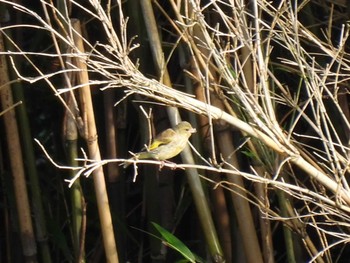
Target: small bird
[[167, 144]]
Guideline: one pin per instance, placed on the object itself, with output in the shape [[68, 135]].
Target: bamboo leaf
[[176, 244]]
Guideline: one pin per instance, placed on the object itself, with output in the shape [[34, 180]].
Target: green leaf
[[175, 243]]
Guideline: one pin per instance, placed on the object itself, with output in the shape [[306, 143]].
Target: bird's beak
[[193, 130]]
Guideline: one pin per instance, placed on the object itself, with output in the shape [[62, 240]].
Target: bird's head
[[185, 126]]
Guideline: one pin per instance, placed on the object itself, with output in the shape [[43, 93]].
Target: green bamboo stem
[[265, 226], [34, 185], [218, 200], [200, 199], [29, 248], [71, 145], [78, 208], [29, 158], [294, 225], [288, 235]]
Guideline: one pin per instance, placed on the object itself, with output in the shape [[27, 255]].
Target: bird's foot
[[170, 164]]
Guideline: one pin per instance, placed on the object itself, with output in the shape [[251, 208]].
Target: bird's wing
[[163, 138]]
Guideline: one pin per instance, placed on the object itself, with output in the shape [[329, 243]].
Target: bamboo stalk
[[76, 195], [201, 203], [29, 159], [94, 153], [240, 203], [29, 248]]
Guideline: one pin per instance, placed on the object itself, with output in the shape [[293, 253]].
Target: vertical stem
[[26, 141], [16, 162], [200, 200], [77, 198], [94, 153]]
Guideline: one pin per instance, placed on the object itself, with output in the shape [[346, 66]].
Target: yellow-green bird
[[167, 144]]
